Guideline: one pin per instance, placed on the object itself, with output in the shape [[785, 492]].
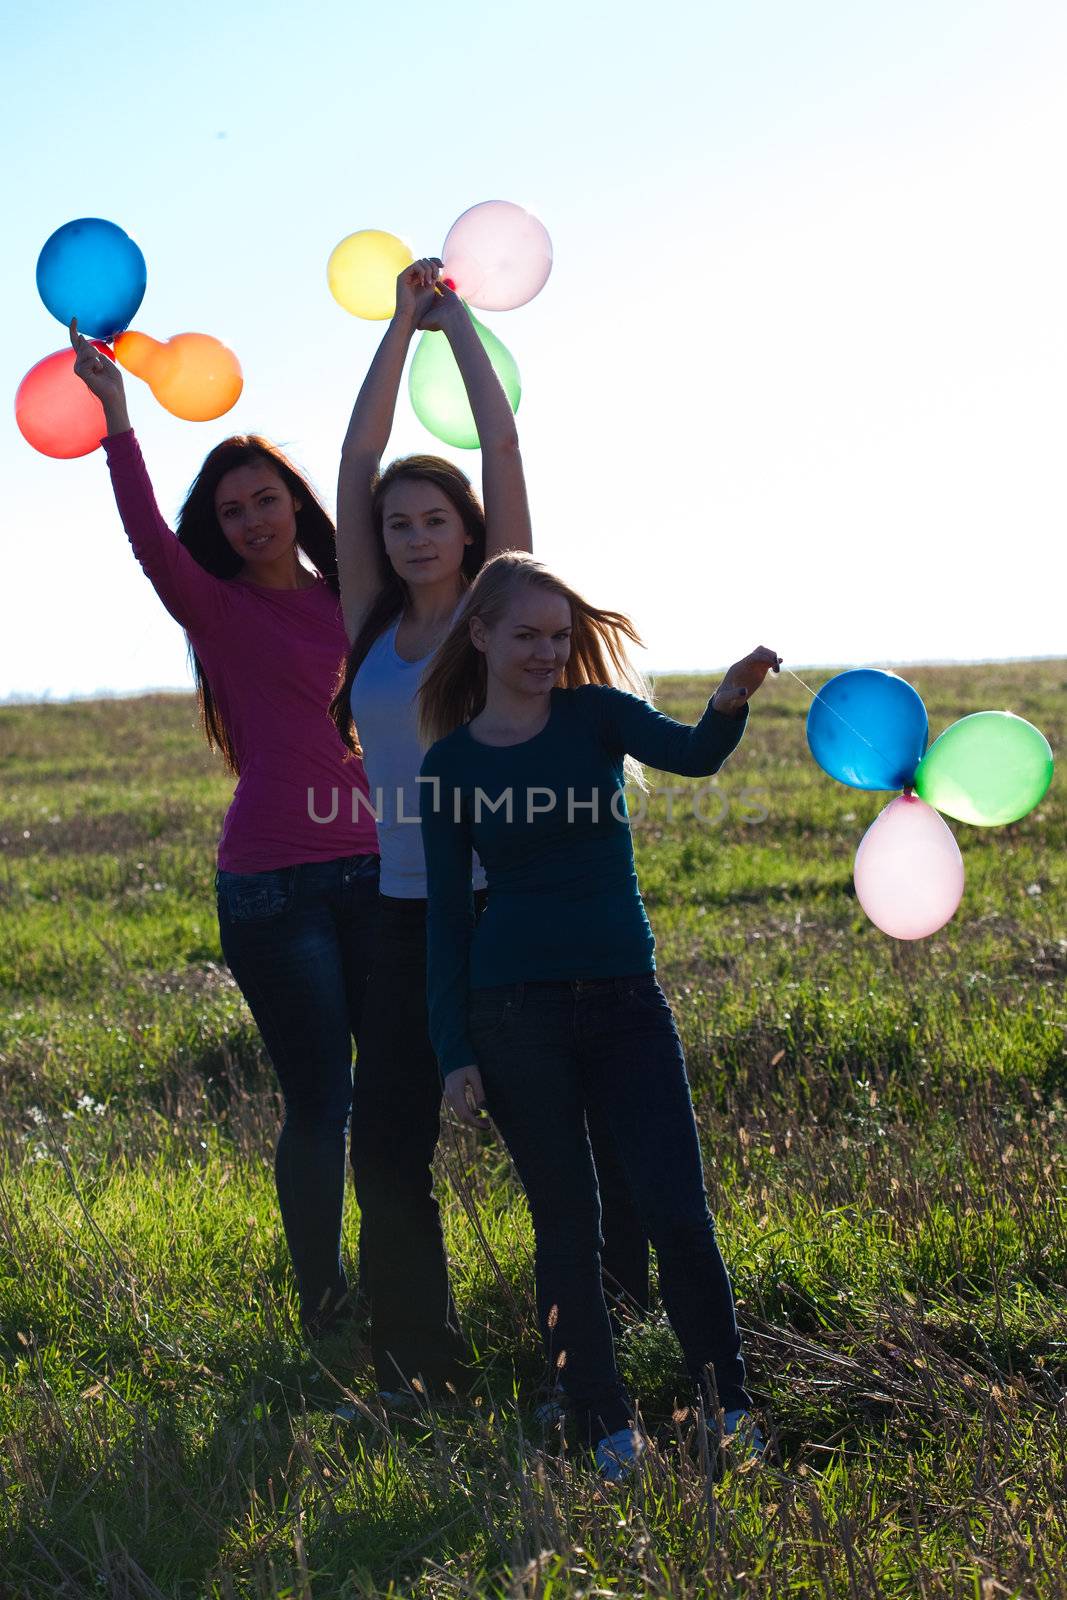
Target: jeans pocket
[[255, 896], [489, 1011], [643, 994], [362, 870]]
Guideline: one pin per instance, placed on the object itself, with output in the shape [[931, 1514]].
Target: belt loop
[[520, 991]]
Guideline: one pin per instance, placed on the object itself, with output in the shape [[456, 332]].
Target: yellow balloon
[[362, 272], [192, 375]]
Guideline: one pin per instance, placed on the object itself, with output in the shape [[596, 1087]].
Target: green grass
[[884, 1132]]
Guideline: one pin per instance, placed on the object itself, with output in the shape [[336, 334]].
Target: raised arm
[[194, 598], [102, 376], [507, 511], [365, 443], [629, 724]]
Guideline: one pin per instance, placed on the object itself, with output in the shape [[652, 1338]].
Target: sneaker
[[347, 1412], [403, 1402], [550, 1411], [618, 1454], [741, 1434]]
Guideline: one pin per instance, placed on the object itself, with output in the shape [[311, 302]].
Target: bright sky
[[797, 376]]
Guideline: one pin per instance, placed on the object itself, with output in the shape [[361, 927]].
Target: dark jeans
[[298, 941], [396, 1108], [549, 1054], [395, 1125]]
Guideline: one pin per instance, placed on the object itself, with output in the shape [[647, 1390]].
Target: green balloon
[[988, 768], [437, 391]]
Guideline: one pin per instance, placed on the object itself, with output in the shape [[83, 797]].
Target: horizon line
[[46, 697]]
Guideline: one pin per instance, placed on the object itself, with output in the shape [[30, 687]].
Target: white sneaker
[[618, 1454], [401, 1401], [741, 1434], [404, 1401], [550, 1411]]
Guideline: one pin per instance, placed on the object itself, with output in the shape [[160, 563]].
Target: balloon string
[[828, 707]]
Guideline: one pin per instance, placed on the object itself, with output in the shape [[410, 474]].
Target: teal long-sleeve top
[[548, 820]]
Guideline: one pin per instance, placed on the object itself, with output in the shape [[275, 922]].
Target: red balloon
[[55, 412]]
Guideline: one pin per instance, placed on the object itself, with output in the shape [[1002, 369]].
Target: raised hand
[[102, 377], [441, 310], [97, 371], [415, 289], [744, 678]]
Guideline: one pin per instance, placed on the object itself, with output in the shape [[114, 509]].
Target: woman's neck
[[278, 575], [505, 712], [432, 603]]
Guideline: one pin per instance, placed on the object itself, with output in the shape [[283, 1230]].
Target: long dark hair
[[392, 593], [198, 530]]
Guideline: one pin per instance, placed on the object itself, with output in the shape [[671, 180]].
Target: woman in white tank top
[[409, 543]]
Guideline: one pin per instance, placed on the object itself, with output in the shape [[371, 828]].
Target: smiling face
[[424, 534], [257, 514], [528, 647]]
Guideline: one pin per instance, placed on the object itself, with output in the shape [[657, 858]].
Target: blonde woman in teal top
[[548, 1013]]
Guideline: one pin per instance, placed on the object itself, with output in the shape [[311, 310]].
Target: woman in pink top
[[297, 879]]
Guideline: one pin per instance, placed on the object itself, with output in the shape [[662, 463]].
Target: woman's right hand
[[98, 372], [103, 377], [415, 291], [465, 1096]]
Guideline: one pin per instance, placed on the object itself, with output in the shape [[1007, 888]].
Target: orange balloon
[[139, 353], [192, 375]]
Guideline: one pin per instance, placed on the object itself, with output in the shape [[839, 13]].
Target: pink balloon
[[497, 256], [908, 870]]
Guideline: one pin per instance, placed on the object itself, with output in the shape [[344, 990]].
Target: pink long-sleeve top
[[271, 657]]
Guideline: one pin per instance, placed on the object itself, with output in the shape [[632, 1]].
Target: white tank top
[[384, 711]]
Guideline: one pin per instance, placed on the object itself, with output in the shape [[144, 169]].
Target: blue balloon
[[91, 270], [868, 729]]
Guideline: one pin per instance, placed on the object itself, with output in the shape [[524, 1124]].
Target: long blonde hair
[[453, 688]]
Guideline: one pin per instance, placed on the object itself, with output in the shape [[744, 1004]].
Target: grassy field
[[884, 1131]]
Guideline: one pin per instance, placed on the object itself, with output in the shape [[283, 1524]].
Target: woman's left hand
[[743, 679], [415, 290], [441, 309]]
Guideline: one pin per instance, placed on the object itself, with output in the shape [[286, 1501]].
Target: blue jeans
[[298, 941], [551, 1055]]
